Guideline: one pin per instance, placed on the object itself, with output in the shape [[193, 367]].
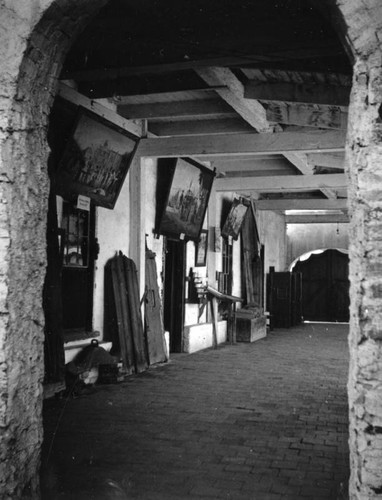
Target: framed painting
[[201, 249], [95, 161], [235, 218], [187, 200]]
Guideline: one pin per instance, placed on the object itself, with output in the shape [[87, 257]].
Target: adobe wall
[[364, 152], [303, 238], [30, 65], [272, 231]]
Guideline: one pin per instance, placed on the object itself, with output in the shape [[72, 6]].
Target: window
[[75, 229]]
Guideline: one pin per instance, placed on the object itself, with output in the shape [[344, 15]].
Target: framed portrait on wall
[[187, 200], [95, 161], [201, 249], [235, 218]]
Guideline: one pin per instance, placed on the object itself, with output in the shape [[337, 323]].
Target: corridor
[[261, 421]]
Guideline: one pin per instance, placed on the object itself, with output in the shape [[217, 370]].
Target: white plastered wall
[[272, 231], [303, 238], [113, 233]]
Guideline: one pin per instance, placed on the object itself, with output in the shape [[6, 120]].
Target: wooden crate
[[250, 329]]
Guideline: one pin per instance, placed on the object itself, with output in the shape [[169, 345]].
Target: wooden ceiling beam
[[175, 109], [251, 165], [302, 204], [332, 95], [240, 144], [327, 160], [306, 115], [252, 112], [71, 95], [290, 183], [264, 54], [198, 127], [300, 161], [153, 69], [317, 219]]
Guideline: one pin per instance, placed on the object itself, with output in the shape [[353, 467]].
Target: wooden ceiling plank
[[317, 219], [302, 204], [290, 183], [240, 144], [321, 116], [334, 95]]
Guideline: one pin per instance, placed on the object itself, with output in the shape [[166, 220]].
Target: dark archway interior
[[325, 286]]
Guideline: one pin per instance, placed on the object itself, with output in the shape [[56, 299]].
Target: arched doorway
[[325, 285]]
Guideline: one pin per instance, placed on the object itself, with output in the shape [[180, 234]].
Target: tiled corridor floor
[[257, 421]]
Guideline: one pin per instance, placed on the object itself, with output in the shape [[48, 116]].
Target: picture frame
[[201, 247], [186, 201], [95, 161], [235, 218]]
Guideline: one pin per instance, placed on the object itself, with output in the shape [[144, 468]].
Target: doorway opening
[[325, 286], [174, 292]]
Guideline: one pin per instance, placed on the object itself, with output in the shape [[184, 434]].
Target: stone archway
[[364, 152], [35, 37]]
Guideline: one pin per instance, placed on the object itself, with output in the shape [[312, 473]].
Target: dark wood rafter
[[330, 95]]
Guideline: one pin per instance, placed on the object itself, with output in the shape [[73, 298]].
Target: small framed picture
[[201, 249], [232, 225]]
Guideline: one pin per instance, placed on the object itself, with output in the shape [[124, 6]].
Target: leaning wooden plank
[[130, 272], [119, 290], [153, 313]]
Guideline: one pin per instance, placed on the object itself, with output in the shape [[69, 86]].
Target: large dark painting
[[95, 161], [187, 200]]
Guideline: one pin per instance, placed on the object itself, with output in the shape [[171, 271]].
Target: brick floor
[[261, 421]]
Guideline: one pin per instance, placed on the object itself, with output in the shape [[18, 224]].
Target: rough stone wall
[[364, 151], [32, 47]]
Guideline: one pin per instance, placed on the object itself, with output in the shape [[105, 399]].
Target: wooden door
[[296, 297], [325, 286], [280, 299], [174, 293]]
